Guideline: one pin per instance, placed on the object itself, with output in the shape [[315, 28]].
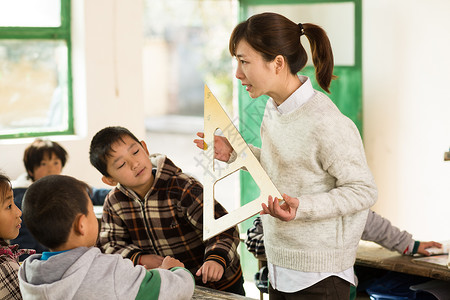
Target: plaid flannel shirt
[[9, 267], [168, 221], [255, 239]]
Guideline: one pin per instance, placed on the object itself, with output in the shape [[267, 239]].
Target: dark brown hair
[[5, 186], [272, 34], [51, 205], [101, 145], [36, 151]]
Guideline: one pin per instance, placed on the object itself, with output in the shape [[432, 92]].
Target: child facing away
[[41, 158], [313, 154], [61, 216], [156, 210], [9, 254]]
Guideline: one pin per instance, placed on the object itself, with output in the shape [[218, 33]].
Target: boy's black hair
[[5, 186], [35, 152], [101, 146], [51, 205]]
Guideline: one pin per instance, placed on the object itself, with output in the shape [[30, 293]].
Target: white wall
[[107, 83], [406, 65]]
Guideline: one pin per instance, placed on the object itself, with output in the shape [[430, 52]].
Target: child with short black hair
[[60, 215], [156, 210], [41, 158], [9, 228], [42, 153]]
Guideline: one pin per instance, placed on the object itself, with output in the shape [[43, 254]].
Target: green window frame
[[63, 34]]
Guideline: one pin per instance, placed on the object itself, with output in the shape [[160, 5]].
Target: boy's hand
[[151, 261], [210, 271], [222, 148], [284, 212], [170, 262], [424, 245]]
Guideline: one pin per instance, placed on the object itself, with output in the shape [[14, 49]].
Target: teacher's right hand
[[222, 148]]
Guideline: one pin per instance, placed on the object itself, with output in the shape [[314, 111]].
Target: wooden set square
[[216, 118]]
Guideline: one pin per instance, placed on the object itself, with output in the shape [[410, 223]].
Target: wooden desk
[[372, 255], [201, 292]]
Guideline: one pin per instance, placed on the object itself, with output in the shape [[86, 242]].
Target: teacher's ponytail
[[272, 34]]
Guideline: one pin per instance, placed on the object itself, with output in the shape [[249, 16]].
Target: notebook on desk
[[442, 260]]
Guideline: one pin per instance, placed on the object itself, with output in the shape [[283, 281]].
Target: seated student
[[60, 215], [156, 210], [377, 229], [9, 229], [42, 158]]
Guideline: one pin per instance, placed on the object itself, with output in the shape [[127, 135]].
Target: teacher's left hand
[[284, 212]]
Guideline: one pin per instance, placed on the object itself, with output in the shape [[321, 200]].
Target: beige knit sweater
[[316, 154]]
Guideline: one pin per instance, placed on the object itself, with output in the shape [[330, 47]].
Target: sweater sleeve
[[255, 150], [138, 283], [221, 248], [341, 155], [381, 231], [176, 283]]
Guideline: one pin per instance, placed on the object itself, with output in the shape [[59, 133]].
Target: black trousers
[[330, 288]]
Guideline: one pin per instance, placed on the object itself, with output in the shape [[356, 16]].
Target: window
[[35, 72], [186, 47]]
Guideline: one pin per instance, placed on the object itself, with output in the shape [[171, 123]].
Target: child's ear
[[109, 181], [79, 225], [144, 145]]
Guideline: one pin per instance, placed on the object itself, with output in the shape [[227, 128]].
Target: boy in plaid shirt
[[155, 210]]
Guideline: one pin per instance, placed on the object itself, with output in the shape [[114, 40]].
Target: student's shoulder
[[95, 255], [168, 171], [7, 264], [115, 262], [186, 183], [116, 195], [165, 167]]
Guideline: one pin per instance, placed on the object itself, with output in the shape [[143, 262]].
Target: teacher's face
[[256, 74]]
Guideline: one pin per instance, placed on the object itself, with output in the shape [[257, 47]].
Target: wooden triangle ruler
[[216, 118]]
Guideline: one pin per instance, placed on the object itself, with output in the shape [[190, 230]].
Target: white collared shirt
[[284, 279], [297, 98]]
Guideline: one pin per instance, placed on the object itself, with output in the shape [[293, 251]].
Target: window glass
[[186, 46], [30, 13], [33, 85], [340, 30]]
